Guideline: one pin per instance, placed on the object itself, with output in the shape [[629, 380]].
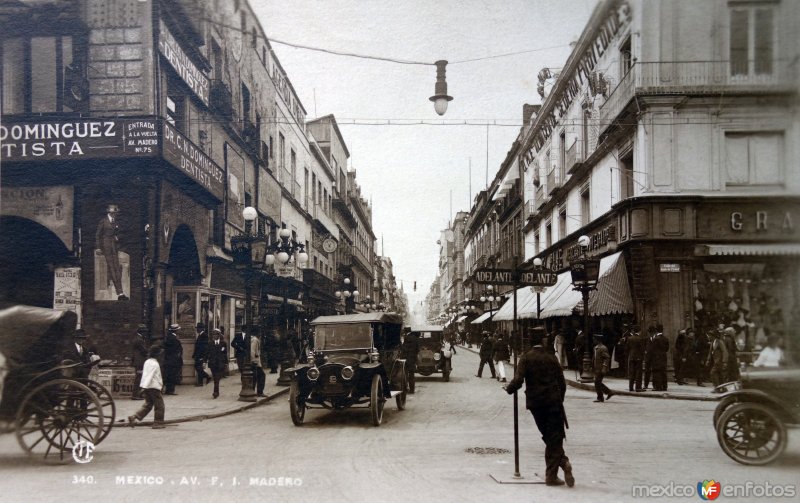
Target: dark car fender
[[298, 368], [757, 396]]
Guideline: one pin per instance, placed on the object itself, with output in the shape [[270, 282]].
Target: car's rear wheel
[[377, 400], [297, 409], [751, 434]]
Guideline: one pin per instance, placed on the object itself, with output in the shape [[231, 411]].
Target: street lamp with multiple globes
[[585, 272], [281, 253], [248, 251], [346, 293]]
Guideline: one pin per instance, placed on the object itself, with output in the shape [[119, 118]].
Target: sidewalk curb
[[202, 417], [647, 394], [657, 394]]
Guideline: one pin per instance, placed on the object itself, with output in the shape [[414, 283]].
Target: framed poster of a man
[[111, 265]]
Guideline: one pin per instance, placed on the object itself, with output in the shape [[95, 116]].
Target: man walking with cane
[[544, 397]]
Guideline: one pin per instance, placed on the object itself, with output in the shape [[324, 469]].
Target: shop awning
[[480, 319], [612, 295], [787, 249], [524, 297]]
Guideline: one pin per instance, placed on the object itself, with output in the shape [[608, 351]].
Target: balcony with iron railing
[[697, 78], [574, 157], [318, 212]]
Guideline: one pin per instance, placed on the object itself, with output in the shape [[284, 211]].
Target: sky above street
[[411, 172]]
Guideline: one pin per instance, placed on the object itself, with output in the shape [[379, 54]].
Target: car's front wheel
[[401, 397], [751, 433], [377, 400], [297, 409]]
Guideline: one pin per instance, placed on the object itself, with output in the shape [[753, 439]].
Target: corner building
[[175, 116], [671, 138]]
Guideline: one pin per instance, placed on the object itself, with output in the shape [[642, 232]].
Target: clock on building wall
[[329, 245]]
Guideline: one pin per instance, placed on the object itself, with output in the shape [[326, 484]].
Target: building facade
[[134, 133], [669, 138]]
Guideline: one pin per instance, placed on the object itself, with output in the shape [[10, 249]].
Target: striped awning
[[524, 297], [788, 249], [480, 319], [612, 296]]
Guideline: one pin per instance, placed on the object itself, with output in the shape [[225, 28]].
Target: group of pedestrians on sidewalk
[[496, 352]]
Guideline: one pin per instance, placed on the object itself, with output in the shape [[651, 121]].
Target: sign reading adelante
[[524, 278]]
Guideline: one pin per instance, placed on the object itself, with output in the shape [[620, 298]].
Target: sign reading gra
[[538, 277]]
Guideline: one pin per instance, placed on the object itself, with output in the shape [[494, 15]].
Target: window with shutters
[[754, 158], [752, 39]]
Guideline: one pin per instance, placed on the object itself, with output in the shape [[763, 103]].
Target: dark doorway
[[29, 252]]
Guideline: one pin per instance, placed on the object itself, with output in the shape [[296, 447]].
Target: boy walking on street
[[151, 385]]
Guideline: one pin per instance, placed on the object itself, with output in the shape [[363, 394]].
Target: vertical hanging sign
[[67, 290]]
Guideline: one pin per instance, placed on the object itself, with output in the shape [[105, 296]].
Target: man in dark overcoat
[[173, 359], [659, 347], [544, 396], [199, 354], [138, 357], [648, 356], [487, 348], [217, 357], [677, 355], [701, 344], [78, 351], [410, 350], [634, 348]]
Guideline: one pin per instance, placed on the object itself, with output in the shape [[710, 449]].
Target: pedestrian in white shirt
[[770, 356], [151, 385]]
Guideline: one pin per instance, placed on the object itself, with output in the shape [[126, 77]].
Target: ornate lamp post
[[248, 256], [281, 253], [585, 272], [346, 293]]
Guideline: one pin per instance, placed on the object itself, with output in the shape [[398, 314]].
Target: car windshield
[[344, 336]]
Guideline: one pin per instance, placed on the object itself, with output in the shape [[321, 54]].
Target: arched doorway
[[184, 262], [29, 252]]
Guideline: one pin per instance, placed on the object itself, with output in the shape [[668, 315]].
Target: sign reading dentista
[[98, 139], [72, 139]]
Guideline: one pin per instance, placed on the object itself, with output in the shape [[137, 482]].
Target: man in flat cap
[[106, 243]]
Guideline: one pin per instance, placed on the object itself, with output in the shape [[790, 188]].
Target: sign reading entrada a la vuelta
[[84, 139]]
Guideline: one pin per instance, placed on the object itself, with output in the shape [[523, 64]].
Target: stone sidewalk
[[619, 386], [195, 403]]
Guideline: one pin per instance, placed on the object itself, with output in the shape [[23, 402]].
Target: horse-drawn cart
[[45, 402]]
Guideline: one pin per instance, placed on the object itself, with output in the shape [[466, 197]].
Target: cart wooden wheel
[[751, 434], [108, 407], [377, 400], [297, 409], [400, 398], [55, 417]]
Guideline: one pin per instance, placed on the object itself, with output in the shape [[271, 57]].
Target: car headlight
[[313, 373], [437, 356], [728, 386], [374, 356], [347, 373]]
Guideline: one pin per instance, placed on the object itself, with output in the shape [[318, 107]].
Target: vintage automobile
[[432, 356], [354, 362], [753, 414]]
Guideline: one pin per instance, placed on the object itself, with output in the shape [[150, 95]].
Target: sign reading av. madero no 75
[[538, 277]]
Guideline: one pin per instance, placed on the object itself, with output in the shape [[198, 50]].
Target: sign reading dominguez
[[186, 156], [196, 80], [536, 277]]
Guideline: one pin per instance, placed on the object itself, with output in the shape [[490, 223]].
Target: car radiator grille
[[425, 357], [330, 382]]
